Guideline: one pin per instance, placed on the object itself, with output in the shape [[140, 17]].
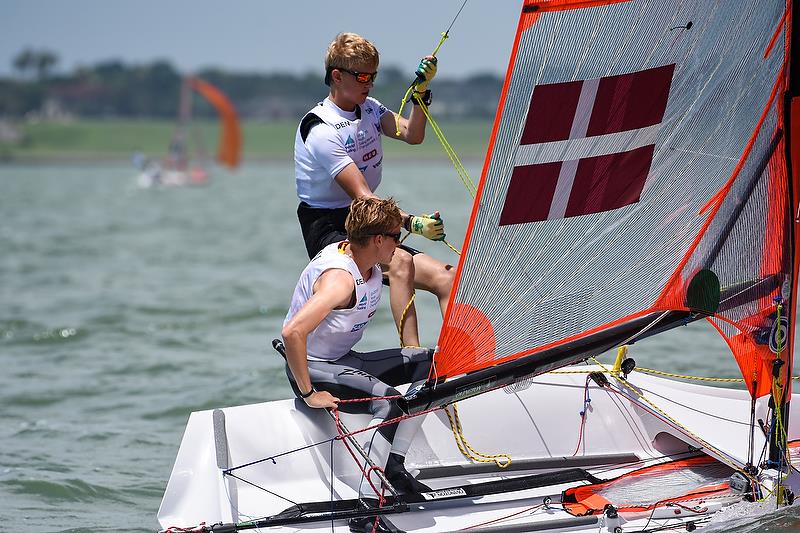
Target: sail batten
[[636, 157]]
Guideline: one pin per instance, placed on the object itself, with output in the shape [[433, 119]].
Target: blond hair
[[371, 216], [348, 50]]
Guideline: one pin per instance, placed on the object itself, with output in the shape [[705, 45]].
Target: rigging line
[[365, 472], [454, 18], [531, 509], [678, 525], [273, 457], [332, 492], [450, 151], [673, 457], [346, 436], [694, 409], [644, 330], [659, 413], [243, 480], [235, 507]]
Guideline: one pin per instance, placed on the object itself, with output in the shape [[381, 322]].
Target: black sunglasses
[[361, 77], [395, 236]]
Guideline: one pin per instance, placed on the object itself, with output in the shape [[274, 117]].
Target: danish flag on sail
[[586, 146]]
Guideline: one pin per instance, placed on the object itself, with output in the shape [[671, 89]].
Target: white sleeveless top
[[342, 328], [345, 137]]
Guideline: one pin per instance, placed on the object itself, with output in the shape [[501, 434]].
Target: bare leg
[[401, 288], [435, 277]]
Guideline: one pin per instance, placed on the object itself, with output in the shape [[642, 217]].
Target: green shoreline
[[116, 140]]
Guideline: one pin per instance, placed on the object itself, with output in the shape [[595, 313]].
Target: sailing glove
[[429, 226], [425, 73]]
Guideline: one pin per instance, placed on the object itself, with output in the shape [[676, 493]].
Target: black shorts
[[322, 227]]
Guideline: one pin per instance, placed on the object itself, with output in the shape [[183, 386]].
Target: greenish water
[[123, 310]]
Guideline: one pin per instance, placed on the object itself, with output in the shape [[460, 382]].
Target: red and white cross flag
[[586, 146]]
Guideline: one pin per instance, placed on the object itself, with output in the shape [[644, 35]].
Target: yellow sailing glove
[[429, 226], [425, 73]]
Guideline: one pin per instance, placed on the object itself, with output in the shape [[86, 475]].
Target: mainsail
[[636, 179]]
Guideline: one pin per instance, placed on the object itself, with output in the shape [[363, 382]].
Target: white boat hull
[[172, 178], [538, 427]]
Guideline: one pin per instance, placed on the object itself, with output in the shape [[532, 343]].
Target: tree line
[[115, 89]]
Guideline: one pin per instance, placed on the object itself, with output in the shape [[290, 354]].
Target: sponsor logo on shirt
[[359, 326], [350, 144], [369, 110], [381, 110], [362, 303], [369, 155], [376, 165], [374, 297], [363, 169], [361, 135], [368, 142], [340, 125], [371, 313]]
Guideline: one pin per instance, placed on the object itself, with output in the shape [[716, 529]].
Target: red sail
[[230, 139]]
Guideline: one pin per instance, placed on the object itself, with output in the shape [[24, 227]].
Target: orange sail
[[230, 140]]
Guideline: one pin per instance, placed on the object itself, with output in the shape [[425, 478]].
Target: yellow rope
[[400, 111], [411, 87], [455, 250], [450, 151], [502, 460], [445, 35], [694, 378], [403, 317], [660, 373]]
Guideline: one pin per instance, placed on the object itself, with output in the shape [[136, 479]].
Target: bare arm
[[412, 129], [352, 181], [332, 290]]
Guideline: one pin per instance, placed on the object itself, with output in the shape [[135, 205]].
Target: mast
[[178, 157], [782, 368]]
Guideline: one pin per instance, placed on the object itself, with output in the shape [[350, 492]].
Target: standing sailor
[[338, 158], [334, 300]]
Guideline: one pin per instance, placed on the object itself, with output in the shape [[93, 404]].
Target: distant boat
[[189, 166]]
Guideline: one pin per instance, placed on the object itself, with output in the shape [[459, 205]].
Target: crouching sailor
[[333, 302]]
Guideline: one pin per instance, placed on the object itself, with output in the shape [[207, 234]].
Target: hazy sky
[[257, 35]]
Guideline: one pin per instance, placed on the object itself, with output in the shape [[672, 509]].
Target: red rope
[[533, 508], [343, 437], [198, 528]]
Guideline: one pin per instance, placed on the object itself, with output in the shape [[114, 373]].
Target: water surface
[[124, 309]]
